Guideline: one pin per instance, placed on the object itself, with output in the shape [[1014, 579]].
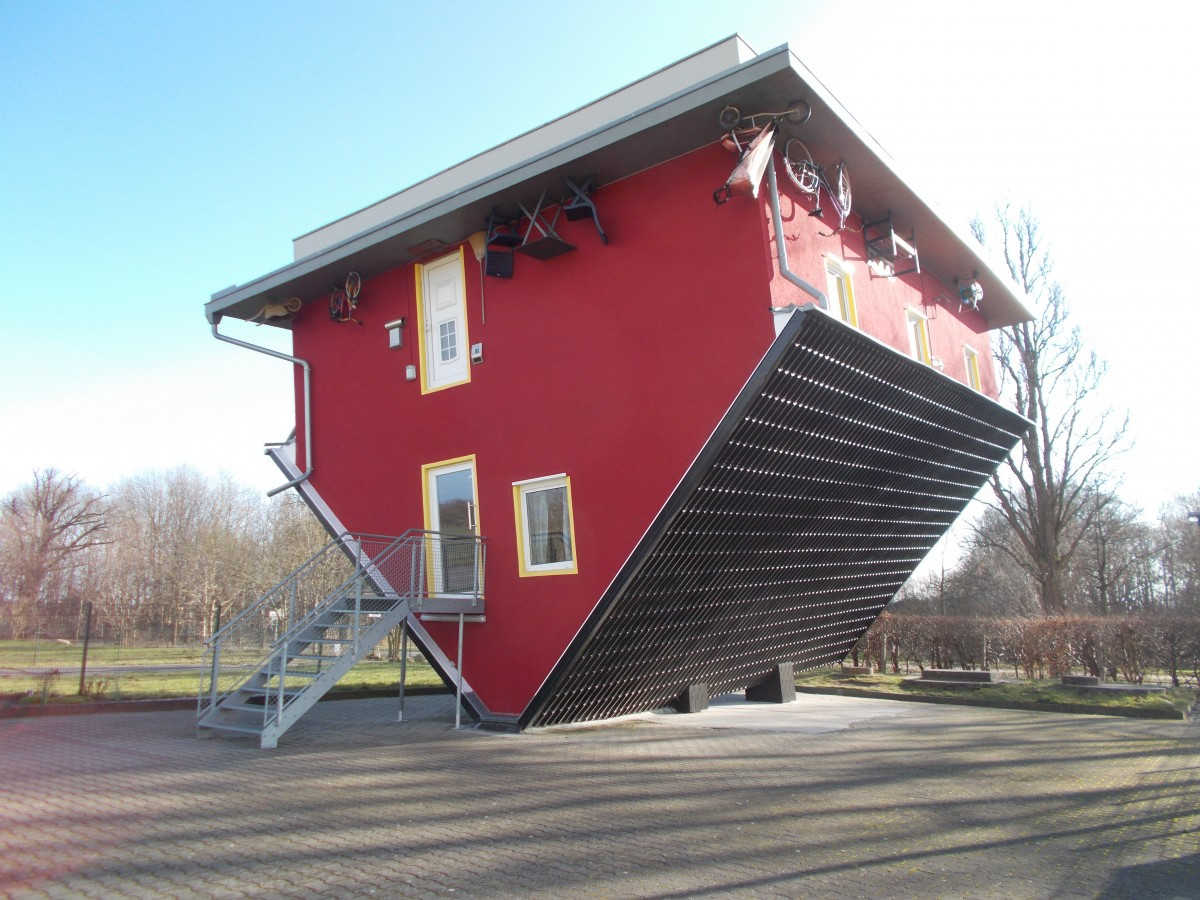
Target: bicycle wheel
[[844, 197], [797, 113], [353, 286], [729, 117], [800, 166], [338, 311]]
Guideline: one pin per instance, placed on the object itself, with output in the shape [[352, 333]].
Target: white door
[[452, 511], [444, 309]]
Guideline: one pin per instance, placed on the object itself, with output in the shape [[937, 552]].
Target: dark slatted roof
[[834, 472]]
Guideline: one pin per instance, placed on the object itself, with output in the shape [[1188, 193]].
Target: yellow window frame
[[524, 551], [427, 509], [422, 340], [918, 324], [971, 360], [840, 287]]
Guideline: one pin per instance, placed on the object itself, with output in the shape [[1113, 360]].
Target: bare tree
[[45, 528], [1179, 557], [1056, 482], [1118, 561]]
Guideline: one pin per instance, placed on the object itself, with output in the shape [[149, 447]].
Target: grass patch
[[1017, 693], [162, 674]]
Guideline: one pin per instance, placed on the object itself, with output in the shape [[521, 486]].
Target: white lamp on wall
[[395, 331]]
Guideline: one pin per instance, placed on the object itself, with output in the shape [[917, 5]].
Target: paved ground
[[824, 797]]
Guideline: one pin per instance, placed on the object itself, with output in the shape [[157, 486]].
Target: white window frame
[[429, 340], [521, 490], [839, 290], [917, 326]]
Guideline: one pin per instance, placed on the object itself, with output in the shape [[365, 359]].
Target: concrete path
[[822, 797]]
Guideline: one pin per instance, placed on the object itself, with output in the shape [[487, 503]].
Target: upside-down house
[[663, 399]]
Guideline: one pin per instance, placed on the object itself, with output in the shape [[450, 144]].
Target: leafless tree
[[1055, 483], [46, 527], [1116, 569], [1179, 555]]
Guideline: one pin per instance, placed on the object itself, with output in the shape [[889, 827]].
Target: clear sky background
[[152, 153]]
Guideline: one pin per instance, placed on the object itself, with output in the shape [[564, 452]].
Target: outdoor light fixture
[[969, 294], [395, 330], [1194, 517]]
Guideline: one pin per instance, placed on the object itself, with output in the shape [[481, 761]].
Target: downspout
[[308, 453], [783, 261]]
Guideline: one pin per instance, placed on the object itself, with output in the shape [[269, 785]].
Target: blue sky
[[153, 153]]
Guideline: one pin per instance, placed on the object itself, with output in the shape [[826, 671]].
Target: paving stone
[[818, 797]]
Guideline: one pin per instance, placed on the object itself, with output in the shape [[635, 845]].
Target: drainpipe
[[783, 262], [308, 453]]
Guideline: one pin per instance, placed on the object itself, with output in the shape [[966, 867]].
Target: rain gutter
[[295, 360], [783, 261]]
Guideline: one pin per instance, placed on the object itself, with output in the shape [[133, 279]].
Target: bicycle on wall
[[811, 179], [752, 139]]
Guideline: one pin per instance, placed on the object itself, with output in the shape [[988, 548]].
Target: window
[[971, 358], [918, 336], [545, 530], [839, 291], [442, 323], [451, 509]]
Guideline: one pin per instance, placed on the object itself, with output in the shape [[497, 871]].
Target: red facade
[[638, 384], [611, 364]]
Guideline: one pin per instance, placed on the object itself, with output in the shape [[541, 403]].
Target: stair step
[[248, 689], [224, 726], [256, 708]]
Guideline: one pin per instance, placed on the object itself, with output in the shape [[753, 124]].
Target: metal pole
[[87, 636], [291, 619], [458, 693], [358, 591], [216, 661], [403, 663]]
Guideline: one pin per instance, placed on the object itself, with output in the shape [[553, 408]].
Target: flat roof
[[664, 115]]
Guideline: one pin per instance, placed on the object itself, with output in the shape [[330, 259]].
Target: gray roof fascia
[[774, 61], [945, 248]]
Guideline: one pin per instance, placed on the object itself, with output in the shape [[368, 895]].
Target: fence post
[[216, 661], [403, 662], [87, 635]]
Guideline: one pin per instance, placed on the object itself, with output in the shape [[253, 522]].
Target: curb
[[37, 710], [1077, 708]]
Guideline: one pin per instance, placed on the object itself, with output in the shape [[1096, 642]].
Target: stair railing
[[427, 563], [236, 649], [412, 567]]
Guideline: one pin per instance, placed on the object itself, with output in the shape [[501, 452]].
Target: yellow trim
[[841, 273], [519, 514], [430, 574], [971, 357], [911, 316], [422, 346]]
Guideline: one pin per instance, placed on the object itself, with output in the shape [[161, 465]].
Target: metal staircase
[[321, 620]]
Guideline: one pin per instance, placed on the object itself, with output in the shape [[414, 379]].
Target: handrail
[[377, 571], [340, 541]]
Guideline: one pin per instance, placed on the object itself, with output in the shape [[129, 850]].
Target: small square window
[[545, 532], [448, 337]]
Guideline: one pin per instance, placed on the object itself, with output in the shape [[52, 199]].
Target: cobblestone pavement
[[871, 798]]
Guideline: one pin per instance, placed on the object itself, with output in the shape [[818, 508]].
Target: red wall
[[610, 363], [881, 302]]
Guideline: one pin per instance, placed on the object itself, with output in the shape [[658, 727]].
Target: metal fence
[[91, 660]]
